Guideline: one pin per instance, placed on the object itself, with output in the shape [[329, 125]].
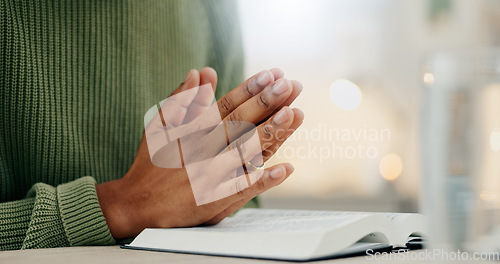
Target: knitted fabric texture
[[76, 78]]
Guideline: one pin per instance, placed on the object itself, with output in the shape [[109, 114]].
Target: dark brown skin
[[150, 196]]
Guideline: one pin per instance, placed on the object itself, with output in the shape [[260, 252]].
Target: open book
[[296, 235]]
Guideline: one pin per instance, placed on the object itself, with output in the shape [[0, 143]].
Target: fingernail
[[276, 173], [263, 79], [188, 76], [279, 87], [281, 117]]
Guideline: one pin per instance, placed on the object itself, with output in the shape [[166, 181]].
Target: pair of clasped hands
[[210, 138]]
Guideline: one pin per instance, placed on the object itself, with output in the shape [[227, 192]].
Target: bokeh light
[[391, 166], [345, 94], [488, 195], [495, 140], [429, 78]]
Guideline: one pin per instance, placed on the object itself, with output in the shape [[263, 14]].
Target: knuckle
[[227, 104], [234, 119], [268, 129], [241, 149], [239, 188], [248, 89], [263, 101], [267, 153], [267, 145], [259, 185]]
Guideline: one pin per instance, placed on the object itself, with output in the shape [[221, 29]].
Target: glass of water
[[460, 139]]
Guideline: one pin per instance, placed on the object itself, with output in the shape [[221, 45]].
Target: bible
[[293, 235]]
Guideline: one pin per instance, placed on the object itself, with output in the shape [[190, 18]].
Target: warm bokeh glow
[[391, 166], [429, 78], [488, 196], [495, 140], [345, 94], [378, 45]]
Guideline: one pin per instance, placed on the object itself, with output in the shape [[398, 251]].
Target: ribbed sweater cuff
[[81, 214]]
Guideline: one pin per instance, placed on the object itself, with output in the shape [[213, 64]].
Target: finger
[[271, 177], [277, 72], [167, 114], [200, 104], [173, 109], [297, 89], [268, 133], [228, 211], [250, 145], [270, 149], [243, 92], [205, 97], [209, 76], [188, 82], [258, 108]]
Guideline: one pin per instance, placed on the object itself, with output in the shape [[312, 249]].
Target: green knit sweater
[[76, 78]]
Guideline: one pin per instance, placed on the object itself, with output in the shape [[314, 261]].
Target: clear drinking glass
[[460, 130]]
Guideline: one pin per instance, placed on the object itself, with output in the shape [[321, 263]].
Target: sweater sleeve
[[66, 215]]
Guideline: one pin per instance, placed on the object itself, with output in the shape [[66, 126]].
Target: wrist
[[113, 208]]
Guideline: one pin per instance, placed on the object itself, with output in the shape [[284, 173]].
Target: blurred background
[[359, 62]]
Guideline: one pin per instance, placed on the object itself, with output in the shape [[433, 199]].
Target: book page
[[396, 217], [288, 221], [406, 225], [274, 234], [276, 220], [269, 220]]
